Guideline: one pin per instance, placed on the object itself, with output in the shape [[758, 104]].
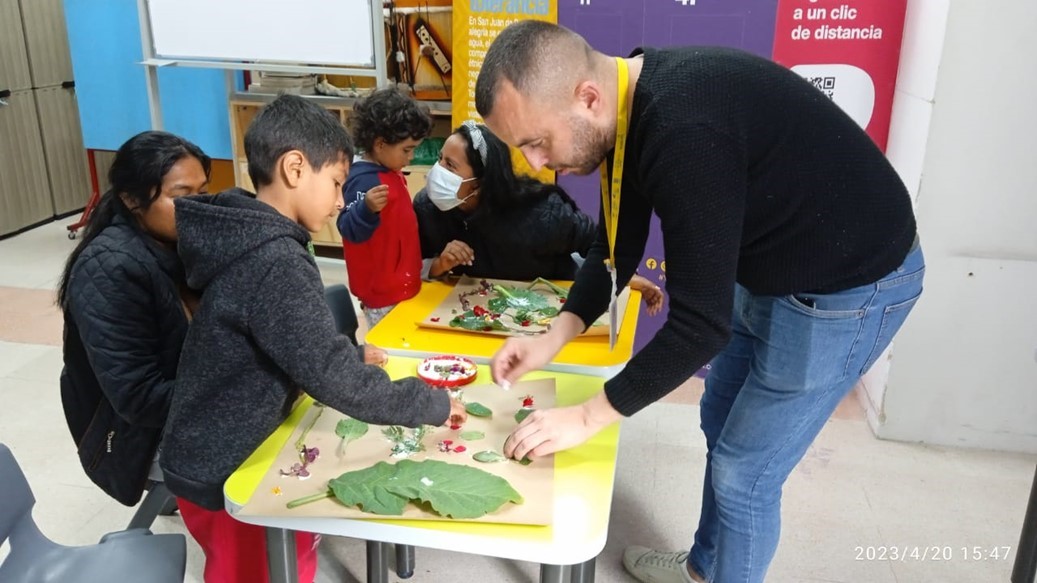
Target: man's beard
[[590, 146]]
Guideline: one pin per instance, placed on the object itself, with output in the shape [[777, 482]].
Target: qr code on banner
[[825, 84]]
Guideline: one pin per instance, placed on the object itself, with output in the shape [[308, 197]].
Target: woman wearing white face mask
[[477, 218]]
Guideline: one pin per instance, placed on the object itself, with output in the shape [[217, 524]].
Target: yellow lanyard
[[610, 199]]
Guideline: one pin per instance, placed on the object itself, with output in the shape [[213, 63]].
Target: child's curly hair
[[390, 115]]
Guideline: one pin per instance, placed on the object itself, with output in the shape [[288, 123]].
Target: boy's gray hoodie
[[262, 334]]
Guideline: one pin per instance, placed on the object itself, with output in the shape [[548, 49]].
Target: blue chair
[[135, 555], [341, 304], [159, 501]]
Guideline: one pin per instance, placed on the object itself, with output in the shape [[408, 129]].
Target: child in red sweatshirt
[[378, 226]]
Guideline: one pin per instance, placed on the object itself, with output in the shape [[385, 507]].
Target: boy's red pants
[[235, 552]]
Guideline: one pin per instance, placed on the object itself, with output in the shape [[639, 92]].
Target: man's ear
[[292, 165], [589, 96]]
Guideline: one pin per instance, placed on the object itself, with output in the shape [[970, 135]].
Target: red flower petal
[[434, 319], [455, 427], [447, 442], [460, 448]]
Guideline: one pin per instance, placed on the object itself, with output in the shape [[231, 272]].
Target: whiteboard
[[317, 32]]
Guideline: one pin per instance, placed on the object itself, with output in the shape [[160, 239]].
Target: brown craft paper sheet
[[535, 482], [441, 316]]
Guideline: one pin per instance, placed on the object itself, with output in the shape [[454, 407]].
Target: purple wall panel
[[617, 27]]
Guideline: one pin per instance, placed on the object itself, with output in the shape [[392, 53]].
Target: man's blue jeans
[[791, 360]]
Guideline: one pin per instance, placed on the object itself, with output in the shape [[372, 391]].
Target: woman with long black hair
[[126, 307], [477, 217]]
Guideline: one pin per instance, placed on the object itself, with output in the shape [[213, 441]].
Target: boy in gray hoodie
[[263, 333]]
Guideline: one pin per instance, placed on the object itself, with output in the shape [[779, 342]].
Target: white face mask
[[443, 186]]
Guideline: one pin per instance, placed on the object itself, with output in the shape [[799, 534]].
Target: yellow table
[[398, 333], [583, 482]]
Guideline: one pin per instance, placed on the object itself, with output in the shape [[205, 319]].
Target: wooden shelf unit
[[244, 107]]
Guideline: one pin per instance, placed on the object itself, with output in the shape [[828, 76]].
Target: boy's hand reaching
[[458, 414], [650, 293], [376, 198]]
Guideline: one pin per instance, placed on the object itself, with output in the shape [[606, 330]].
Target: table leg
[[583, 573], [377, 562], [1025, 568], [404, 561], [553, 573], [280, 555]]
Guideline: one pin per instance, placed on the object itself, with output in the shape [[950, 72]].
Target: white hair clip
[[478, 141]]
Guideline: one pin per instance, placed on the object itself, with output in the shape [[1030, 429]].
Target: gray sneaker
[[652, 566]]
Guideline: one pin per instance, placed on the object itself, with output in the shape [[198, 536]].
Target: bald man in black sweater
[[791, 249]]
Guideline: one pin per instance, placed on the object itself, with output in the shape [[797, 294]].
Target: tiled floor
[[852, 492]]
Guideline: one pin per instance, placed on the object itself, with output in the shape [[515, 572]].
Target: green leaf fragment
[[478, 409], [301, 442], [469, 321], [521, 299], [471, 435], [522, 413], [403, 444], [559, 290], [350, 429], [497, 305], [489, 456]]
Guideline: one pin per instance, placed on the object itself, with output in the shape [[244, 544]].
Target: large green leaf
[[367, 489], [452, 490]]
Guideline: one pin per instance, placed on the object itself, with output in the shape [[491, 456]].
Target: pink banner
[[849, 49]]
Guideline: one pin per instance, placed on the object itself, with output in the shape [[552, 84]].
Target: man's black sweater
[[757, 178]]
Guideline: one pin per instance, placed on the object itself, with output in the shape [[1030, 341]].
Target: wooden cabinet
[[245, 106]]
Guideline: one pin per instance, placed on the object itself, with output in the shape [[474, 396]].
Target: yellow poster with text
[[476, 24]]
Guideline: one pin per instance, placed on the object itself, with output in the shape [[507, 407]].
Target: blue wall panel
[[194, 105], [104, 36], [105, 40]]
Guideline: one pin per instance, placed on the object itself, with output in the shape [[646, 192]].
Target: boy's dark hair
[[291, 123], [390, 115], [140, 165]]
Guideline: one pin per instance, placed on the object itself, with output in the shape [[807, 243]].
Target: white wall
[[963, 371], [921, 50]]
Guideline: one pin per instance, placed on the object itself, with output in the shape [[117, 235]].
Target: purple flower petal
[[308, 455]]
